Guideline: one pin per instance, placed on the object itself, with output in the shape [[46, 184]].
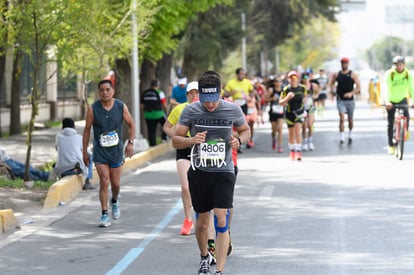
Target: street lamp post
[[141, 143], [243, 28]]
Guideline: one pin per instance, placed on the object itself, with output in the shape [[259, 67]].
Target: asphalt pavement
[[341, 210]]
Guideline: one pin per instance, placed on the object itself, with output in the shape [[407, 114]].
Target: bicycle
[[400, 130]]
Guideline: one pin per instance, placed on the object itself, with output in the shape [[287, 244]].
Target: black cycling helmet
[[398, 59]]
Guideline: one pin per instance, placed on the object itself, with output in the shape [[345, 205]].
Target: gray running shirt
[[215, 155]]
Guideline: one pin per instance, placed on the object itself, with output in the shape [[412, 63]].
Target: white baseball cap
[[182, 81], [193, 85]]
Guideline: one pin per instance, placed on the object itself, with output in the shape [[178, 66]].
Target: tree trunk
[[123, 88], [163, 73], [15, 124], [190, 65], [34, 103], [146, 75], [2, 66]]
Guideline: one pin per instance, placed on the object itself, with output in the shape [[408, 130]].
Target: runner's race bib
[[109, 139], [240, 101], [277, 109], [251, 110], [308, 102], [213, 154]]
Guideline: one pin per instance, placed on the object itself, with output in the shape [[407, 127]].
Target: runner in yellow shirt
[[239, 89], [183, 156]]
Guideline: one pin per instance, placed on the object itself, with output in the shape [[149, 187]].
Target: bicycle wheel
[[395, 139], [400, 142]]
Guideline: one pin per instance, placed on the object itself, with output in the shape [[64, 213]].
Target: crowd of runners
[[210, 121], [291, 101]]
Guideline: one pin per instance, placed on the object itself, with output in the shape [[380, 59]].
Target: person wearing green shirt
[[154, 106], [400, 85]]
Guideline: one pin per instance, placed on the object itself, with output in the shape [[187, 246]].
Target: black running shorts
[[275, 117], [183, 153], [210, 190]]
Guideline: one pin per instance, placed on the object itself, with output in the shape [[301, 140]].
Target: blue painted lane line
[[134, 253]]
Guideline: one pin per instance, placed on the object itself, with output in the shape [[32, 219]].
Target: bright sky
[[361, 28]]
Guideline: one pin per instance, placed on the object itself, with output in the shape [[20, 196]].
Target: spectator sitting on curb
[[70, 159], [18, 168]]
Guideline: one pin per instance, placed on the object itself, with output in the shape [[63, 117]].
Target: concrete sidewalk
[[43, 149], [67, 188]]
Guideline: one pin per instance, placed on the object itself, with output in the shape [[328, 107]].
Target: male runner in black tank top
[[347, 84]]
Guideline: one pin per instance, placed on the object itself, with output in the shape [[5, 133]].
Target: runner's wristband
[[240, 143]]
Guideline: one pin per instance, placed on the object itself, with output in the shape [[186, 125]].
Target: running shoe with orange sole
[[186, 228]]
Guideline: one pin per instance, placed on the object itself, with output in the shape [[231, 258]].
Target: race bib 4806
[[213, 150], [212, 154]]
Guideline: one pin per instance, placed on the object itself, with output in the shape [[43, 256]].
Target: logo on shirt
[[213, 122], [209, 90]]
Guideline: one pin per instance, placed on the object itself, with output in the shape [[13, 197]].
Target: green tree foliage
[[209, 39], [38, 28], [310, 45], [169, 22], [279, 20], [215, 34], [3, 46], [380, 54], [99, 32]]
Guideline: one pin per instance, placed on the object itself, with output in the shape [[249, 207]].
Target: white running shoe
[[305, 147], [311, 146]]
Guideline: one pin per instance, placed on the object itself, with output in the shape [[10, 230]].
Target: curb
[[9, 222], [63, 191], [67, 188]]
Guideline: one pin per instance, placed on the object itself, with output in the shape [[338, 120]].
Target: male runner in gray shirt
[[211, 176]]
